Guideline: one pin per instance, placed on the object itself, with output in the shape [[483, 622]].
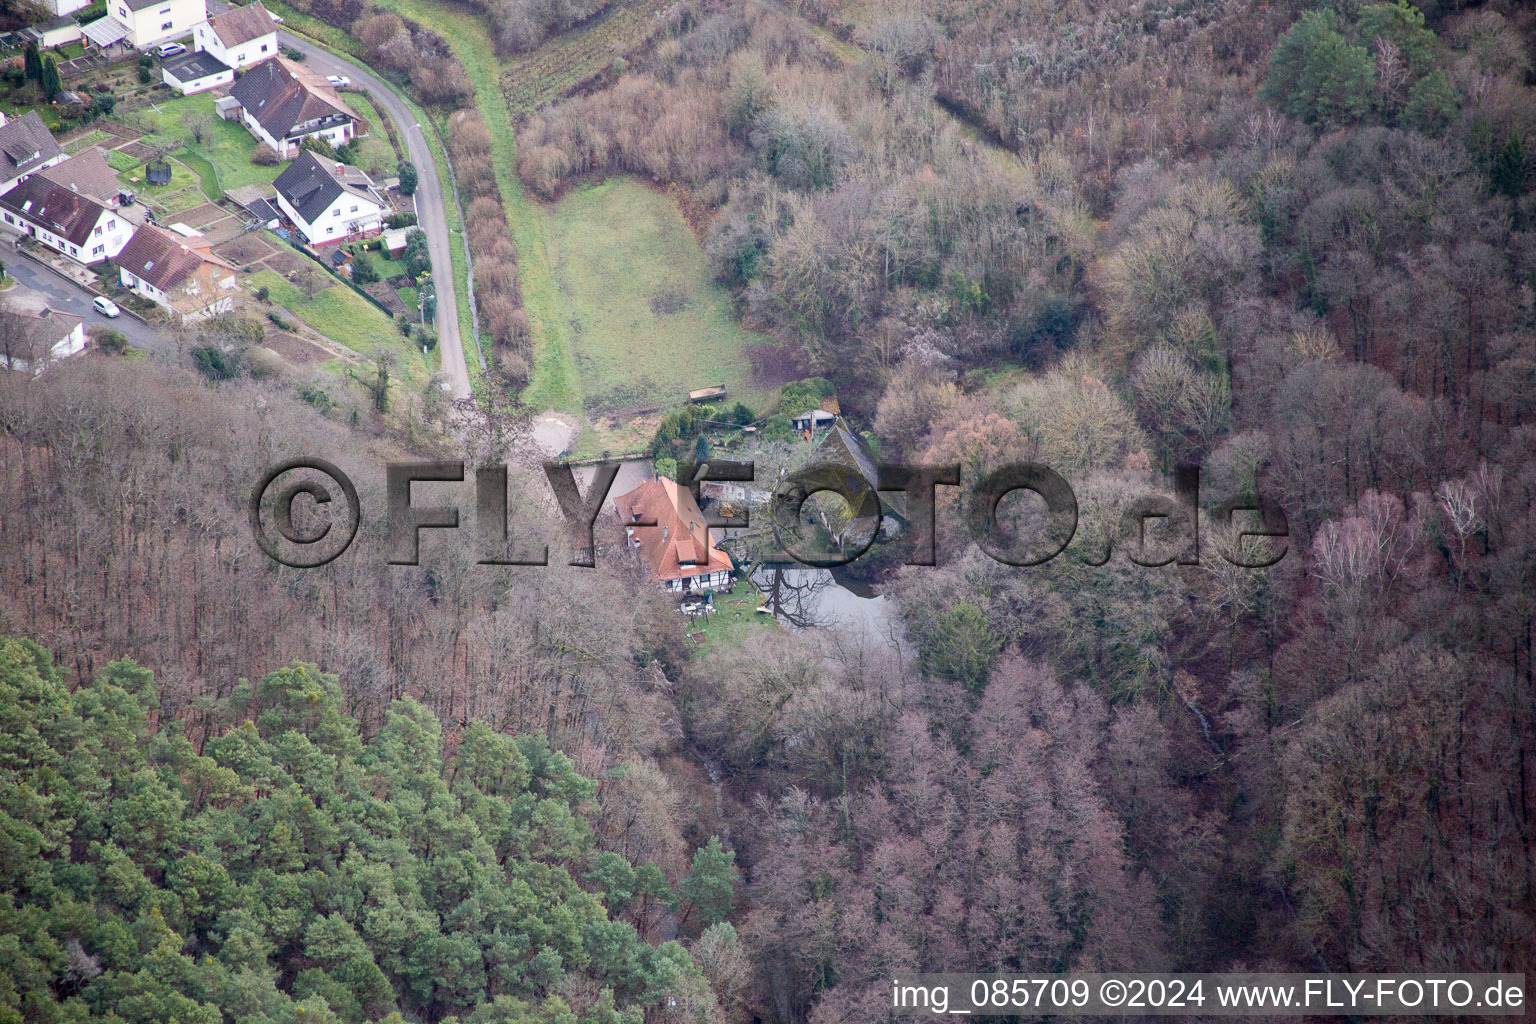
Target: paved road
[[68, 297], [429, 197]]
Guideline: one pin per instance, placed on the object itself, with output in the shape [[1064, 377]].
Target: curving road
[[430, 202]]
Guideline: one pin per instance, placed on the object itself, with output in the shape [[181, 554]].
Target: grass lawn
[[374, 154], [121, 162], [206, 175], [342, 315], [227, 149], [90, 138], [568, 254], [724, 627], [647, 322], [181, 177]]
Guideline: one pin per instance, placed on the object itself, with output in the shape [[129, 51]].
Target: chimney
[[340, 168]]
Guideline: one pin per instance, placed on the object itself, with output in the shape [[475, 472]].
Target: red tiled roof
[[678, 545]]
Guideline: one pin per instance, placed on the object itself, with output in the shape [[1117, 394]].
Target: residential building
[[181, 275], [196, 72], [144, 23], [64, 6], [30, 341], [76, 225], [328, 201], [239, 37], [26, 146], [88, 173], [55, 32], [664, 527], [282, 105]]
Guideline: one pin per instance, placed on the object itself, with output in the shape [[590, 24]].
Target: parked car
[[338, 81], [106, 307], [170, 50]]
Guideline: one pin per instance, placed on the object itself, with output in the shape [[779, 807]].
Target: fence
[[307, 251]]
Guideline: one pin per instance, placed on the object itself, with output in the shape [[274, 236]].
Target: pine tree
[[1509, 167], [52, 84], [710, 888], [1317, 76], [33, 64]]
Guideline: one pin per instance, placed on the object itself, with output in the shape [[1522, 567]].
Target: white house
[[74, 224], [195, 72], [179, 274], [146, 22], [30, 341], [57, 32], [26, 146], [282, 105], [239, 37], [64, 6], [329, 202]]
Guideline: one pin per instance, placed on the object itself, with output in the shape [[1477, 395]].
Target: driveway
[[429, 194], [68, 297]]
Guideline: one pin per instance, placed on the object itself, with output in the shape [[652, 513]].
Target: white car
[[277, 18], [338, 81], [171, 49], [106, 307]]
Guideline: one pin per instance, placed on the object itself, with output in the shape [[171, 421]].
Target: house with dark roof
[[147, 22], [666, 531], [329, 202], [54, 32], [78, 226], [283, 104], [88, 173], [197, 71], [181, 275], [26, 146], [239, 37]]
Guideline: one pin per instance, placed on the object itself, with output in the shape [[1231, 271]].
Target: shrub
[[407, 178], [110, 341], [363, 269], [417, 259], [263, 155], [214, 363], [401, 220]]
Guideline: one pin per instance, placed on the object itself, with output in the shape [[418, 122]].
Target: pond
[[802, 597]]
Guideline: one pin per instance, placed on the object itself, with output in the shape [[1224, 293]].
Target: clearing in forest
[[645, 319]]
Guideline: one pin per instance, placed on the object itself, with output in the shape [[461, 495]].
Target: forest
[[1292, 243]]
